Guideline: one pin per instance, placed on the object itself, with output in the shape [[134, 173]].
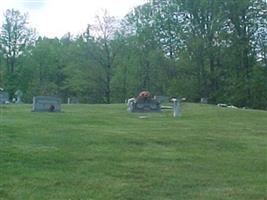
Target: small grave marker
[[162, 99], [73, 100], [204, 100]]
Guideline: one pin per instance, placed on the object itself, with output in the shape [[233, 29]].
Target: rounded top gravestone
[[18, 95]]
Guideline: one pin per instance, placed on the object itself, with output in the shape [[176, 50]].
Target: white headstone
[[130, 104], [176, 108], [204, 100]]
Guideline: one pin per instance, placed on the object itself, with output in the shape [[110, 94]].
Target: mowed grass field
[[102, 152]]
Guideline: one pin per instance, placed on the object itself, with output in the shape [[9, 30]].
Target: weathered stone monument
[[18, 95], [73, 100], [143, 103], [162, 99], [204, 100], [4, 97], [46, 104]]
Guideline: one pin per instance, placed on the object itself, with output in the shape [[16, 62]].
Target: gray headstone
[[144, 103], [73, 100], [4, 97], [18, 95], [162, 99], [204, 100], [144, 106], [46, 104]]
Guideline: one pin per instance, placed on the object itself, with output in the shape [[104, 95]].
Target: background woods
[[184, 48]]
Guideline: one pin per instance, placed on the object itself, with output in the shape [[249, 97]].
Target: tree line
[[183, 48]]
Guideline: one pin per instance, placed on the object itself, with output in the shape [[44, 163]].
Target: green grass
[[99, 152]]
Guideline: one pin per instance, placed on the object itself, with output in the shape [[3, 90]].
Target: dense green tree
[[102, 50], [15, 38], [218, 37], [40, 68], [1, 70], [246, 19], [183, 48], [147, 53]]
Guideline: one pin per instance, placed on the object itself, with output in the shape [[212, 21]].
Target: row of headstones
[[203, 100], [161, 99], [133, 105], [53, 104], [40, 103]]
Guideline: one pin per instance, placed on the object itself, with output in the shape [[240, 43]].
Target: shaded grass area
[[103, 152]]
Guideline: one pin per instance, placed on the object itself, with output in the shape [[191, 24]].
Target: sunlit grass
[[104, 152]]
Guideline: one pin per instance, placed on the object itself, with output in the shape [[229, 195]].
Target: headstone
[[4, 97], [204, 100], [161, 99], [18, 95], [46, 104], [73, 100], [176, 108], [143, 103], [130, 104]]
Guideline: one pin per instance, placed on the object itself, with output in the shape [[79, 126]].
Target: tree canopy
[[182, 48]]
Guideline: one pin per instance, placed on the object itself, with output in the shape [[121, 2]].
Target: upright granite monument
[[143, 103], [46, 104]]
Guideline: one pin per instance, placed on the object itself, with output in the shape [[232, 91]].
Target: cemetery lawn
[[102, 152]]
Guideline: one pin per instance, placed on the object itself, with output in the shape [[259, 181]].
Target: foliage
[[15, 38], [182, 48]]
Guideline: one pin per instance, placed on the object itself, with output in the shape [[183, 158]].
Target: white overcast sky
[[53, 18]]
